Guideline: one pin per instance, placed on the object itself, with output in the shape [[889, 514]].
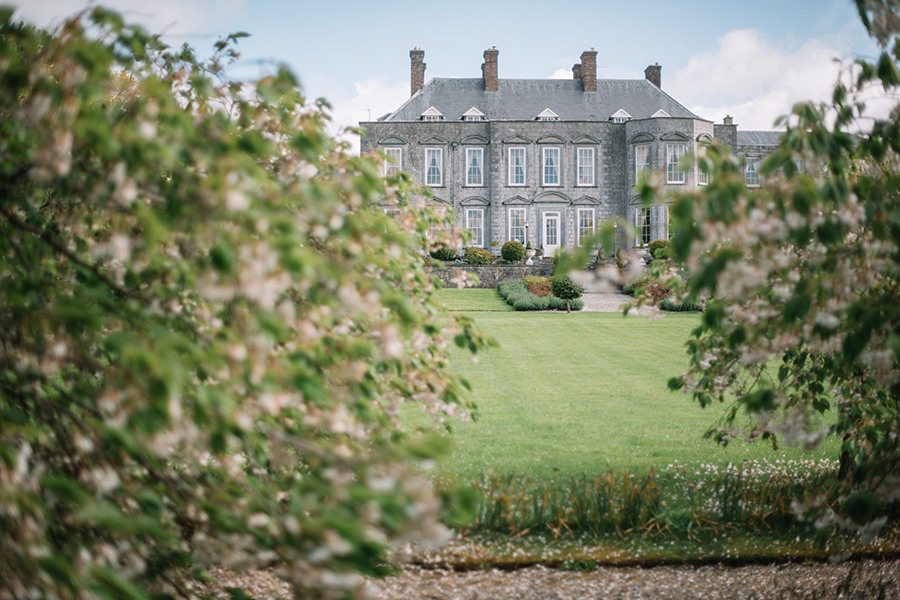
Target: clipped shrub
[[478, 256], [444, 253], [668, 305], [513, 251], [660, 248], [539, 286], [564, 288], [560, 304]]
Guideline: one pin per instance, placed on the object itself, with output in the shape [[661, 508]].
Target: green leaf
[[112, 586]]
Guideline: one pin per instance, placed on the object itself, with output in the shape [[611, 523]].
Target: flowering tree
[[803, 277], [207, 326]]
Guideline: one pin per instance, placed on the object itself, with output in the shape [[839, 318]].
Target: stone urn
[[529, 254]]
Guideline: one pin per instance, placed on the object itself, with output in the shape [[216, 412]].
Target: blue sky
[[752, 60]]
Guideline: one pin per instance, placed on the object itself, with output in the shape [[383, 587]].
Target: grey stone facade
[[579, 140]]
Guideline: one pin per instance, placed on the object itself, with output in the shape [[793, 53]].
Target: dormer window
[[432, 114], [473, 114], [660, 113], [547, 115], [620, 116]]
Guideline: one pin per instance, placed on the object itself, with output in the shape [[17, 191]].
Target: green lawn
[[581, 393], [473, 299]]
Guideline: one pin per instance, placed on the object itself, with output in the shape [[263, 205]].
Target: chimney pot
[[589, 70], [489, 69], [417, 70], [653, 74], [728, 120]]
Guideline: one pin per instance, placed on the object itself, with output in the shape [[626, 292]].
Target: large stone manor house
[[547, 161]]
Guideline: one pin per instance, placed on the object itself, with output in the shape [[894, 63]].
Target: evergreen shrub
[[444, 253], [478, 256], [513, 251]]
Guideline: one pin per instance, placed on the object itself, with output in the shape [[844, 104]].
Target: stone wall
[[490, 275]]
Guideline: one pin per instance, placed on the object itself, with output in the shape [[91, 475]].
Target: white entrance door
[[551, 233]]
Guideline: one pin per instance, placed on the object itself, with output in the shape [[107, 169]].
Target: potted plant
[[529, 254]]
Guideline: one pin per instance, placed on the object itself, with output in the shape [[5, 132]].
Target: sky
[[751, 60]]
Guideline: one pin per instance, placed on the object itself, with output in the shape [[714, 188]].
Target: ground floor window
[[475, 224], [585, 223], [517, 224], [643, 225]]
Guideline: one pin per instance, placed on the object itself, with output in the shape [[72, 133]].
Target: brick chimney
[[576, 71], [489, 70], [653, 74], [416, 70], [589, 70]]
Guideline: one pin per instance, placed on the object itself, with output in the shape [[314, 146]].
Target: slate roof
[[758, 138], [524, 99]]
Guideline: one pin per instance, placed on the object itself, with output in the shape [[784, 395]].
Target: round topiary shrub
[[478, 256], [564, 288], [513, 251], [444, 253], [659, 248]]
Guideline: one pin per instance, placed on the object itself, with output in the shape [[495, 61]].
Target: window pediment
[[520, 200], [642, 137], [392, 141], [475, 201], [675, 136], [704, 137], [517, 139], [475, 139], [552, 197], [433, 140], [660, 113], [586, 139], [551, 139], [587, 201]]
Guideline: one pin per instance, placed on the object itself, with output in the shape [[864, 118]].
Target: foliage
[[565, 289], [513, 251], [805, 273], [649, 288], [477, 256], [207, 326], [660, 248], [667, 304], [537, 285], [445, 253], [518, 296]]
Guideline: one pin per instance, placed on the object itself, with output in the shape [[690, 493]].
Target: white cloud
[[372, 98], [172, 18], [755, 80], [562, 73]]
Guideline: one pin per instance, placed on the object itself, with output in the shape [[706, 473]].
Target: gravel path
[[612, 302], [851, 580]]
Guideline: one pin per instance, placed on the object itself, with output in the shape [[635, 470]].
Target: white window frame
[[393, 162], [585, 166], [643, 224], [551, 172], [751, 172], [675, 151], [440, 167], [640, 166], [583, 231], [477, 233], [514, 235], [512, 175], [471, 181]]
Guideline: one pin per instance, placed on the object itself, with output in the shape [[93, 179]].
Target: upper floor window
[[751, 172], [517, 166], [474, 166], [434, 166], [432, 114], [585, 223], [547, 115], [641, 161], [475, 224], [674, 154], [585, 166], [517, 224], [620, 116], [473, 114], [394, 163], [551, 166]]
